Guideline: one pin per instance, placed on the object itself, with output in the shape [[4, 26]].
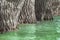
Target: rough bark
[[15, 11], [54, 6], [27, 14], [9, 15]]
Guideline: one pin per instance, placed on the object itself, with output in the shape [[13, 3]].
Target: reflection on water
[[58, 38], [47, 30]]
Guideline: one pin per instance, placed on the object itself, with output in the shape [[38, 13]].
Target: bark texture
[[41, 11], [14, 12], [27, 14], [9, 13], [54, 6]]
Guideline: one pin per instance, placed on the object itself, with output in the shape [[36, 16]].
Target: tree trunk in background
[[42, 13], [27, 14], [54, 6], [9, 14]]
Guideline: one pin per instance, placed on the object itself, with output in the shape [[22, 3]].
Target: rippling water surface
[[46, 30]]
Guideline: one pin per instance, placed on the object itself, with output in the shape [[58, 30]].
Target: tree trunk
[[54, 6], [15, 11], [42, 13], [27, 14], [9, 14]]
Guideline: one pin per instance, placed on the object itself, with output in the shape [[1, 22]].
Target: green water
[[46, 30]]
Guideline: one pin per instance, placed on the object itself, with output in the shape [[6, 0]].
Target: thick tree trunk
[[9, 14], [15, 11]]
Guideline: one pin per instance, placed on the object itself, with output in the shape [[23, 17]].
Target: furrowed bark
[[27, 14], [9, 14]]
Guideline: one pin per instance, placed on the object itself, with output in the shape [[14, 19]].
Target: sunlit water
[[46, 30]]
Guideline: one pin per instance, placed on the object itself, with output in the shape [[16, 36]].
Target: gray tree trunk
[[27, 14], [15, 11], [9, 14]]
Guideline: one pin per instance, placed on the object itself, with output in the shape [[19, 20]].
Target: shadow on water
[[46, 30]]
